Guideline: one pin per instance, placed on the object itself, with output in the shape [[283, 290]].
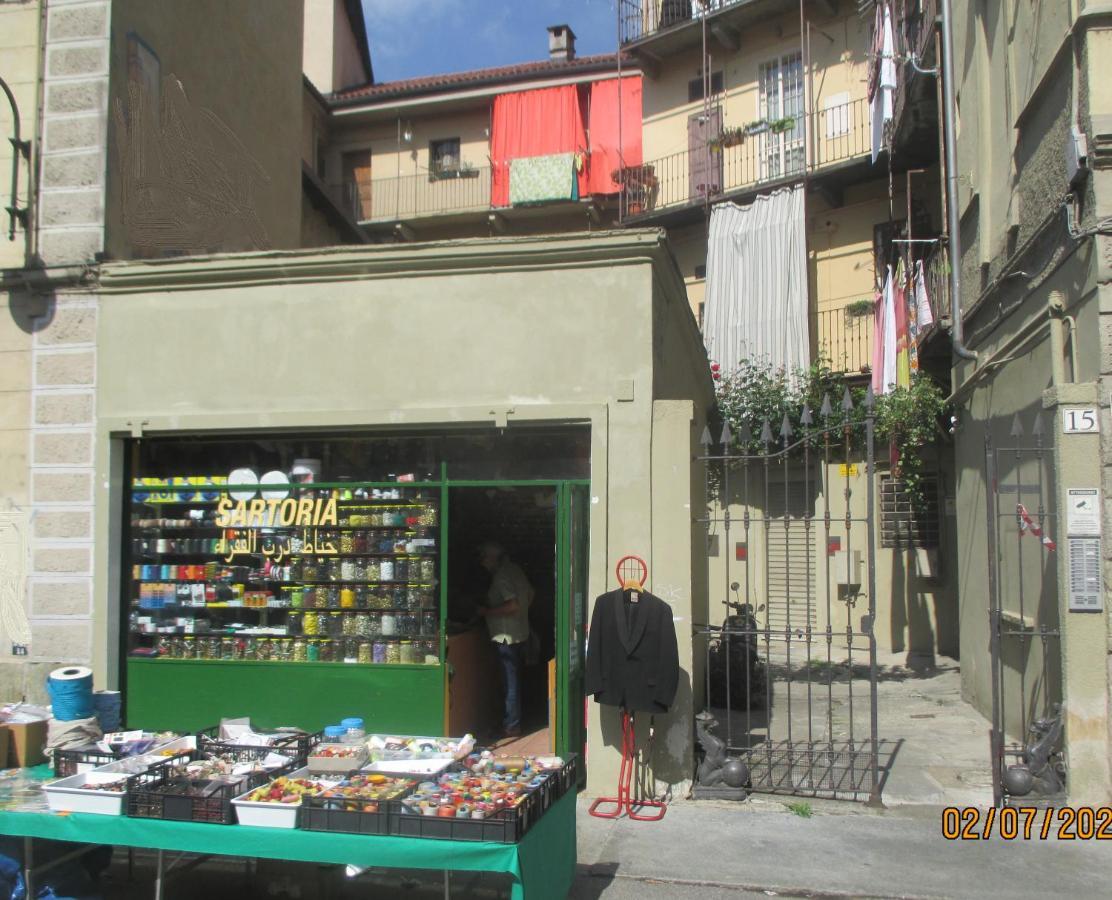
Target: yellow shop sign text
[[305, 512]]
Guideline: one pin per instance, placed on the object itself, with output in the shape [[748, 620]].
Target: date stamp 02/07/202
[[1026, 823]]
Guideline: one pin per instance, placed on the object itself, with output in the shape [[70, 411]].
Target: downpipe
[[949, 118]]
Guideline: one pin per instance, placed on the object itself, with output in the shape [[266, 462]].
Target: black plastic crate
[[69, 762], [300, 744], [162, 793], [328, 814], [505, 827]]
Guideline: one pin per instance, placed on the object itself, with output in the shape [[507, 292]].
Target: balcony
[[664, 22], [736, 164], [915, 104], [415, 196], [845, 339]]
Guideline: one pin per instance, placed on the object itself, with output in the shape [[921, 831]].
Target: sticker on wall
[[14, 624], [1083, 512]]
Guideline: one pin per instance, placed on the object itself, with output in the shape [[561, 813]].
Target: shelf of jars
[[340, 573]]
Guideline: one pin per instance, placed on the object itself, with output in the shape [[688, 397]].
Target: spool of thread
[[107, 706], [71, 693]]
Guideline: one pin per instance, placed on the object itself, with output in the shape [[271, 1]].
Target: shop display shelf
[[505, 827], [336, 765], [161, 793], [299, 743]]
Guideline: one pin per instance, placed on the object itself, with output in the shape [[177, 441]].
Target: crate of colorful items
[[386, 747], [336, 760], [110, 749], [278, 803], [468, 806], [362, 803], [547, 776], [201, 789], [292, 742], [105, 789]]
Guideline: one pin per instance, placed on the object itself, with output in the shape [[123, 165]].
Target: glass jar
[[297, 596], [300, 651], [365, 652], [189, 648], [362, 624], [347, 542], [430, 654], [429, 622], [407, 653], [393, 652], [310, 570], [351, 650], [293, 623], [310, 622], [347, 570], [282, 649], [408, 624], [347, 598], [335, 624], [386, 570], [332, 596], [374, 570], [378, 652], [228, 648], [359, 542], [326, 651], [428, 571], [388, 624], [240, 649], [212, 648], [379, 599], [312, 651], [263, 649], [349, 626], [250, 650], [162, 647]]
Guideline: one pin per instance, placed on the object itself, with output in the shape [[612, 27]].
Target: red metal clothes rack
[[632, 573]]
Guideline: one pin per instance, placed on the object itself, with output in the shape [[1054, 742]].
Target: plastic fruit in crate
[[284, 790]]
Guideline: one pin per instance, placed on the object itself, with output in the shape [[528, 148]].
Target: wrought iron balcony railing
[[845, 339], [641, 18], [735, 161], [416, 196]]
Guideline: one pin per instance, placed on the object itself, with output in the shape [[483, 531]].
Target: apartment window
[[444, 157], [903, 524], [695, 86], [781, 97]]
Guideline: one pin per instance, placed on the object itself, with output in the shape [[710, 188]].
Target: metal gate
[[791, 670], [1023, 523]]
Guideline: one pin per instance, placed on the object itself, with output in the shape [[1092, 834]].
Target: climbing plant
[[754, 394]]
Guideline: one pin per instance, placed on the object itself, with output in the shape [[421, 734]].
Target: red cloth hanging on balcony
[[534, 123], [602, 126]]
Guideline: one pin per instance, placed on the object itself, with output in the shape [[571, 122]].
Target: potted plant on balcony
[[638, 184]]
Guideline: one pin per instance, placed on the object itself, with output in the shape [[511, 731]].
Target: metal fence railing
[[414, 196], [641, 18], [736, 161], [845, 340]]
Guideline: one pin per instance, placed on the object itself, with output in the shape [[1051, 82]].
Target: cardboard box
[[25, 743]]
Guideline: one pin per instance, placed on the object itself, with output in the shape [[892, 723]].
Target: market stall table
[[542, 864]]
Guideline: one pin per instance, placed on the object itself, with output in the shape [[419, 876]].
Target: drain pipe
[[949, 120]]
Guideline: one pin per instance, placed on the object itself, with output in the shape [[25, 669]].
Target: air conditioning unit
[[1077, 156]]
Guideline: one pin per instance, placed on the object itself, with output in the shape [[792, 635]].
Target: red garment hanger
[[632, 574]]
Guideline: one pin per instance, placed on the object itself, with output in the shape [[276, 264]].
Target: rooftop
[[431, 84]]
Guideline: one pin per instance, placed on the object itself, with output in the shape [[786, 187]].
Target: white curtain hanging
[[756, 289]]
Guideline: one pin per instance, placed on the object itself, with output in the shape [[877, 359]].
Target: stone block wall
[[74, 135]]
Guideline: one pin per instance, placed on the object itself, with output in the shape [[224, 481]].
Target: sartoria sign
[[305, 512]]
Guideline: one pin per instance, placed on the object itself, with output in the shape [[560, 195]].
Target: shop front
[[300, 455]]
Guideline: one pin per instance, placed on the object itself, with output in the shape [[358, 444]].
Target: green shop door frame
[[573, 548]]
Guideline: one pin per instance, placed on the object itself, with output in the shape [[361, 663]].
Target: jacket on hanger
[[632, 657]]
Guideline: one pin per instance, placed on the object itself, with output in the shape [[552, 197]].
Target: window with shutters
[[904, 525]]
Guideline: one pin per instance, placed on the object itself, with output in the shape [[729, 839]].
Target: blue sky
[[429, 37]]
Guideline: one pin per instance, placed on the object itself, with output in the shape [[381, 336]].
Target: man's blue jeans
[[510, 658]]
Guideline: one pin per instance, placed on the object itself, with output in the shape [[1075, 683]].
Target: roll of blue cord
[[71, 693]]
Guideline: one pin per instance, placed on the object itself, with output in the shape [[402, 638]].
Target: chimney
[[561, 43]]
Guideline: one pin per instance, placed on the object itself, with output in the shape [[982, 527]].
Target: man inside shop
[[507, 616]]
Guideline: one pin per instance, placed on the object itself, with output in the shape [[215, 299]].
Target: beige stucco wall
[[239, 70], [19, 48], [837, 56], [462, 349], [330, 54]]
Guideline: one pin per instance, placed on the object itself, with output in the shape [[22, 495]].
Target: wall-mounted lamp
[[407, 135]]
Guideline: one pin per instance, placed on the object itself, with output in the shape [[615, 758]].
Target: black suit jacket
[[632, 658]]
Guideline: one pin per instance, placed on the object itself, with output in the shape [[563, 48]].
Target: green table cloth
[[542, 864]]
